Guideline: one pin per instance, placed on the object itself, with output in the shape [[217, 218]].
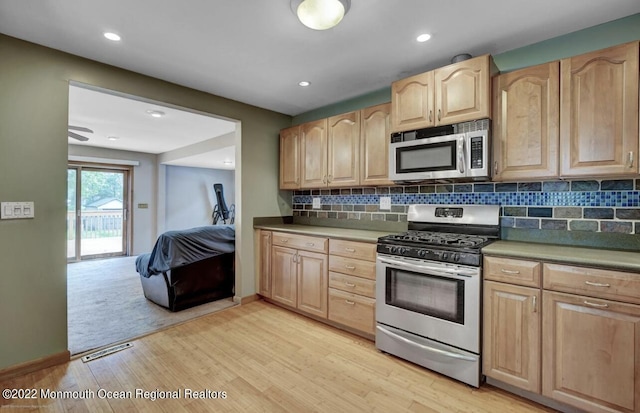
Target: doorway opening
[[98, 205]]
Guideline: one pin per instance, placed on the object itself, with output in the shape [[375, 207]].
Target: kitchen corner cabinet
[[455, 93], [290, 158], [299, 272], [526, 123], [512, 322], [599, 112], [374, 145], [264, 266]]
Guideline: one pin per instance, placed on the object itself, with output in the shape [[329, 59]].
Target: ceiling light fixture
[[304, 83], [156, 113], [112, 36], [112, 138], [423, 37], [228, 162], [320, 14]]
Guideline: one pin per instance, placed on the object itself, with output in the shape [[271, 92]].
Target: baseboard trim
[[35, 365], [246, 300]]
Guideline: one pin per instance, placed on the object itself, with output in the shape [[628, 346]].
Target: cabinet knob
[[431, 116], [512, 272], [597, 284], [348, 284], [630, 160], [595, 305], [350, 267], [439, 114], [310, 244], [350, 302]]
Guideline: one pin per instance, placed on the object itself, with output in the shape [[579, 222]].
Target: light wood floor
[[265, 359]]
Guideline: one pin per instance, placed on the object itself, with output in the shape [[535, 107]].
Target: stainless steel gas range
[[428, 288]]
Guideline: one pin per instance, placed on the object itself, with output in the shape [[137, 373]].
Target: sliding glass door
[[97, 208]]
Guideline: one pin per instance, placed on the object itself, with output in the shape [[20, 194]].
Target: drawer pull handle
[[310, 244], [350, 249], [350, 302], [284, 240], [350, 267], [348, 284], [509, 271], [596, 305], [597, 284]]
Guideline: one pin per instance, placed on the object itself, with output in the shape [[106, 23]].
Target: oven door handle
[[426, 348], [419, 267]]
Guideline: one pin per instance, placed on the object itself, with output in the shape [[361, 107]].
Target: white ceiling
[[256, 51], [126, 118]]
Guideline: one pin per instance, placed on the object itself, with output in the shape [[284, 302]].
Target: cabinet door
[[526, 123], [343, 158], [599, 112], [591, 353], [290, 158], [512, 335], [284, 285], [264, 279], [374, 145], [313, 137], [412, 103], [463, 91], [313, 283]]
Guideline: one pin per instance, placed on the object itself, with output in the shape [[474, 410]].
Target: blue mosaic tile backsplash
[[578, 205]]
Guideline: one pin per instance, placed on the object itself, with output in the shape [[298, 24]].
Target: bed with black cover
[[189, 267]]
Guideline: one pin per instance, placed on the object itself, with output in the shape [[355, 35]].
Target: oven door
[[440, 157], [435, 300]]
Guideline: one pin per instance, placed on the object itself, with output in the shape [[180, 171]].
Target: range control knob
[[445, 255], [403, 251], [422, 253], [394, 250], [455, 257]]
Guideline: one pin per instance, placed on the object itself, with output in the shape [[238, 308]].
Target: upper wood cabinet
[[599, 112], [290, 158], [463, 90], [343, 160], [313, 148], [455, 93], [526, 128], [412, 102], [374, 145]]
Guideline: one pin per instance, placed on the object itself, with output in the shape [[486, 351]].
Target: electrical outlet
[[316, 203], [385, 203]]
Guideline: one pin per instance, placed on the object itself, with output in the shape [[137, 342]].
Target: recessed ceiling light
[[156, 113], [112, 138], [423, 37], [304, 83], [228, 162], [112, 36]]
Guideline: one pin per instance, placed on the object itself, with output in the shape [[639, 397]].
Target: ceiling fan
[[77, 136]]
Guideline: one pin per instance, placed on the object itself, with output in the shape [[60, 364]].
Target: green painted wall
[[33, 162], [604, 35]]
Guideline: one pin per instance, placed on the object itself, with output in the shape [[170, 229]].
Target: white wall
[[189, 195]]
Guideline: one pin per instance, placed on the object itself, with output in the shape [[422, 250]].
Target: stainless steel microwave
[[435, 154]]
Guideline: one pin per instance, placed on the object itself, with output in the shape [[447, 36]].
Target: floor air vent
[[106, 352]]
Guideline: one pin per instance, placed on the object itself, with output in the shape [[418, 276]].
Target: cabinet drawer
[[512, 271], [351, 266], [614, 285], [352, 310], [301, 242], [355, 285], [352, 249]]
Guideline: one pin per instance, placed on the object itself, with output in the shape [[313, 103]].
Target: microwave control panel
[[477, 161]]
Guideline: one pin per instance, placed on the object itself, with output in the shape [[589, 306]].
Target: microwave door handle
[[461, 155], [418, 267]]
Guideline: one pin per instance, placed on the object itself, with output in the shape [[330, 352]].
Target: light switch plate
[[16, 210], [316, 203], [385, 203]]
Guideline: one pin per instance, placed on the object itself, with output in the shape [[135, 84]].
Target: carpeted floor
[[106, 305]]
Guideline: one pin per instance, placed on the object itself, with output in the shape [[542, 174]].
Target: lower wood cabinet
[[312, 283], [512, 335], [352, 310], [591, 352], [574, 338]]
